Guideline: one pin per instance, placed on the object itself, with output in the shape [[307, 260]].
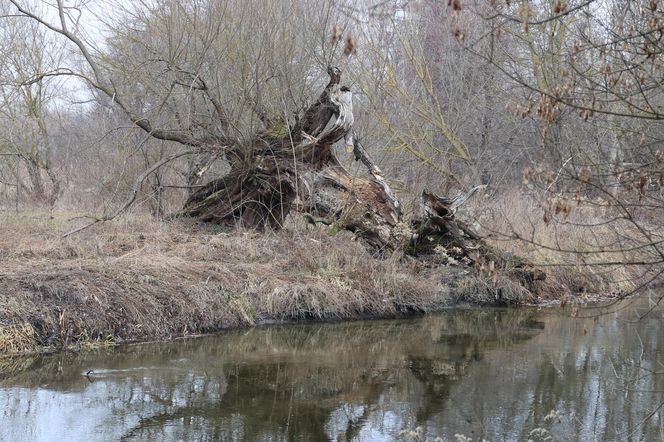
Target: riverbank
[[139, 279]]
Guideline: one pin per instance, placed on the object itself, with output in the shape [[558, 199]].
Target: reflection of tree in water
[[311, 382], [326, 368], [472, 372], [266, 401], [464, 338]]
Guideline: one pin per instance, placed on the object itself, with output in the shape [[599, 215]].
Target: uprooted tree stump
[[284, 170]]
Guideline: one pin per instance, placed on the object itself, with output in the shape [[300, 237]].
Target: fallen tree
[[299, 170]]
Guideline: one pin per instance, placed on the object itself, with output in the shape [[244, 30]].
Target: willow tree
[[232, 86], [25, 135]]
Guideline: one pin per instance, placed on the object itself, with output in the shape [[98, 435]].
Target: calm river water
[[493, 374]]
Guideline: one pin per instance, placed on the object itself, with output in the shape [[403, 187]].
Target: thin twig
[[134, 191]]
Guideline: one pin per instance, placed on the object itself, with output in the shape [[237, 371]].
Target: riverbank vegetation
[[140, 279], [172, 167], [143, 280]]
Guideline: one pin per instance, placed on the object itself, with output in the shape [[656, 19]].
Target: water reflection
[[493, 374]]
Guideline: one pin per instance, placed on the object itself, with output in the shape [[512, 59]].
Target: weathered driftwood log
[[281, 170]]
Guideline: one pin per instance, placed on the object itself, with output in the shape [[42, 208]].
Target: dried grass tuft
[[498, 290], [566, 245], [18, 339]]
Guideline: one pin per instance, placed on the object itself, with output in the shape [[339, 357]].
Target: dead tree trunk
[[272, 176], [268, 176]]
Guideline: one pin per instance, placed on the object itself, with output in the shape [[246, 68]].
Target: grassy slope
[[137, 280]]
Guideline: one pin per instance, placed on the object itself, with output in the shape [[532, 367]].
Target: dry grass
[[138, 279], [567, 247], [17, 339], [496, 289]]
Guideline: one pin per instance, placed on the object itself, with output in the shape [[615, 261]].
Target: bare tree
[[587, 77], [26, 98]]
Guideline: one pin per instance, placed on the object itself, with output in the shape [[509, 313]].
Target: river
[[493, 374]]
